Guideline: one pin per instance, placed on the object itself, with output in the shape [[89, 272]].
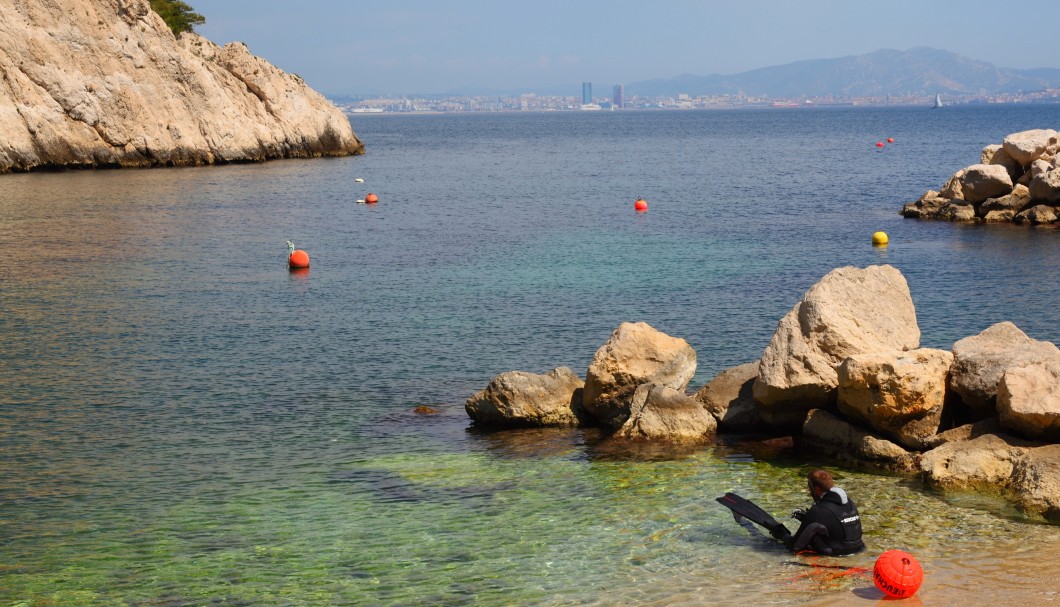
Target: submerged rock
[[635, 354], [105, 83]]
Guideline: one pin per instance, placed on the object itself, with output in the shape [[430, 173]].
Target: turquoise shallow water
[[184, 422]]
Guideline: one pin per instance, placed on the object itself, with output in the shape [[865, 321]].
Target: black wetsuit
[[831, 526]]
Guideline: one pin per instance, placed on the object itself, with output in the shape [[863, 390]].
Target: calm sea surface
[[183, 422]]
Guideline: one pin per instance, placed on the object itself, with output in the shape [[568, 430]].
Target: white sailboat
[[938, 102]]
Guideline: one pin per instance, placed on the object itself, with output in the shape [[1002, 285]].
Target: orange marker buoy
[[897, 574], [890, 140], [879, 144], [371, 198], [298, 259], [640, 205]]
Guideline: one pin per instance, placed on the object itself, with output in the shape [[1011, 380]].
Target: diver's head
[[819, 482]]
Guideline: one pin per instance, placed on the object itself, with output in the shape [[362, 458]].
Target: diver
[[831, 526]]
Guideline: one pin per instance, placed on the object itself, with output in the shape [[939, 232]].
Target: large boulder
[[1038, 214], [521, 399], [979, 362], [1008, 205], [1045, 186], [663, 414], [978, 182], [1029, 473], [956, 210], [635, 354], [1036, 482], [899, 394], [834, 436], [986, 461], [848, 312], [728, 397], [996, 154], [1027, 146], [1028, 399]]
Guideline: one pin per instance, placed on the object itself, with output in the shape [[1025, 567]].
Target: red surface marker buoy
[[897, 574], [640, 205], [879, 144], [890, 140], [371, 198], [298, 259]]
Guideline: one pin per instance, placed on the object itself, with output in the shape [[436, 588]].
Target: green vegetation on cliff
[[179, 16]]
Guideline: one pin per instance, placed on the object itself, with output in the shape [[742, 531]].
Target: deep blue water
[[184, 422]]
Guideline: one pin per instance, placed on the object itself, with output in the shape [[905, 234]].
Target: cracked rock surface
[[105, 83]]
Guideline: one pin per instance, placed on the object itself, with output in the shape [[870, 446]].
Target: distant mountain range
[[917, 71]]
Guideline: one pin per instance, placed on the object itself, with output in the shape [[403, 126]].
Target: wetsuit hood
[[836, 496]]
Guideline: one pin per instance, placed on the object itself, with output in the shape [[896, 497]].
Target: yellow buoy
[[879, 239]]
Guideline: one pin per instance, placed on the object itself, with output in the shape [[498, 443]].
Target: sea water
[[184, 422]]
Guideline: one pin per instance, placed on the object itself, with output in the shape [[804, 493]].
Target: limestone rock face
[[635, 354], [728, 397], [105, 83], [980, 361], [1028, 399], [1036, 481], [521, 399], [979, 182], [1027, 146], [848, 312], [837, 437], [899, 394], [664, 414]]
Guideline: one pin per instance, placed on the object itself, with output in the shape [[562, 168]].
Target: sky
[[355, 47]]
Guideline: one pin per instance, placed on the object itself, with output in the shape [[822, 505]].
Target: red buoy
[[640, 205], [890, 140], [897, 574], [371, 198], [298, 259], [879, 144]]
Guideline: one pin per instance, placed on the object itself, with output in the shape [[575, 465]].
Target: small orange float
[[640, 205], [298, 259], [371, 198]]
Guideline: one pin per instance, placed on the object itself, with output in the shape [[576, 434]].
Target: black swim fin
[[749, 510]]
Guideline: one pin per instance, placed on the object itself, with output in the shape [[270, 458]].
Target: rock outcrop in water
[[105, 83], [1015, 181], [875, 397]]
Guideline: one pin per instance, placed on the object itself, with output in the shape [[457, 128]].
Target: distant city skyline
[[416, 46]]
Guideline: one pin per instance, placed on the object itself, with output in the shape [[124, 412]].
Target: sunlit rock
[[635, 354], [849, 311], [521, 399]]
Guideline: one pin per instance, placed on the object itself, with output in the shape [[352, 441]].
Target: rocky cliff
[[105, 83]]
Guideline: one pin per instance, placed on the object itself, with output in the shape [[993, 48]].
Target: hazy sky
[[391, 46]]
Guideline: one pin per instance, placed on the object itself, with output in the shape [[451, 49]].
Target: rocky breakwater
[[105, 83], [845, 376], [1017, 181]]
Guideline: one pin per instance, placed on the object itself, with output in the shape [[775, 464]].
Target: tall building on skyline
[[617, 93], [587, 93]]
